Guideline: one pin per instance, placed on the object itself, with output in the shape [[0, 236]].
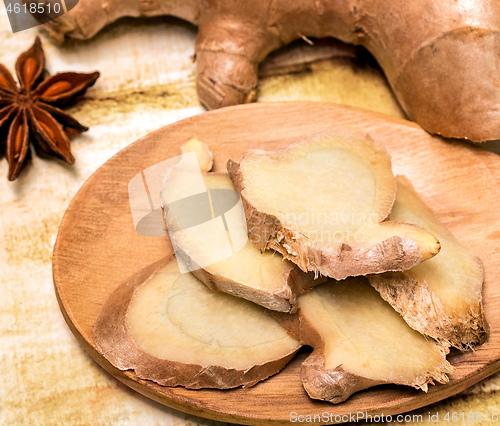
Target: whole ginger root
[[442, 58]]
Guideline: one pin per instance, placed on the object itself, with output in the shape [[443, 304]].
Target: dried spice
[[30, 111]]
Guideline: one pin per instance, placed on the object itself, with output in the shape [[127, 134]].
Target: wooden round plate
[[98, 247]]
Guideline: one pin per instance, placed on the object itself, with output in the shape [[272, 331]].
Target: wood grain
[[97, 246]]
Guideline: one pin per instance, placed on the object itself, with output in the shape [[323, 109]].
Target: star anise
[[30, 112]]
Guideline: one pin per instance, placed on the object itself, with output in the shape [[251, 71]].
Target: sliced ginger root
[[203, 153], [442, 297], [263, 278], [321, 203], [359, 341], [170, 328]]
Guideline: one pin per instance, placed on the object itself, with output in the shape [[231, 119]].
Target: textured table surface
[[147, 82]]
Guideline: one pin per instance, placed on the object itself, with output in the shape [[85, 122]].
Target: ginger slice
[[359, 341], [170, 328], [263, 278], [203, 153], [442, 297], [320, 203]]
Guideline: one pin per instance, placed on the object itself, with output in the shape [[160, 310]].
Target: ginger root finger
[[88, 17], [225, 79]]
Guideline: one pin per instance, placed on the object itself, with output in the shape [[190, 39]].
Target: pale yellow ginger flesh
[[360, 341], [175, 317], [340, 174], [264, 278], [441, 297], [250, 268], [203, 154], [321, 203], [359, 327]]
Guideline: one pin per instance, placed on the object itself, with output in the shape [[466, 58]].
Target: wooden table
[[147, 82]]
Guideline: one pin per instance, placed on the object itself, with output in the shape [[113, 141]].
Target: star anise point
[[30, 111]]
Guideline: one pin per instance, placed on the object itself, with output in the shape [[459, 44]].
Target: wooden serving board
[[97, 246]]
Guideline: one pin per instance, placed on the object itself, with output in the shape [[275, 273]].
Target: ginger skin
[[439, 57]]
